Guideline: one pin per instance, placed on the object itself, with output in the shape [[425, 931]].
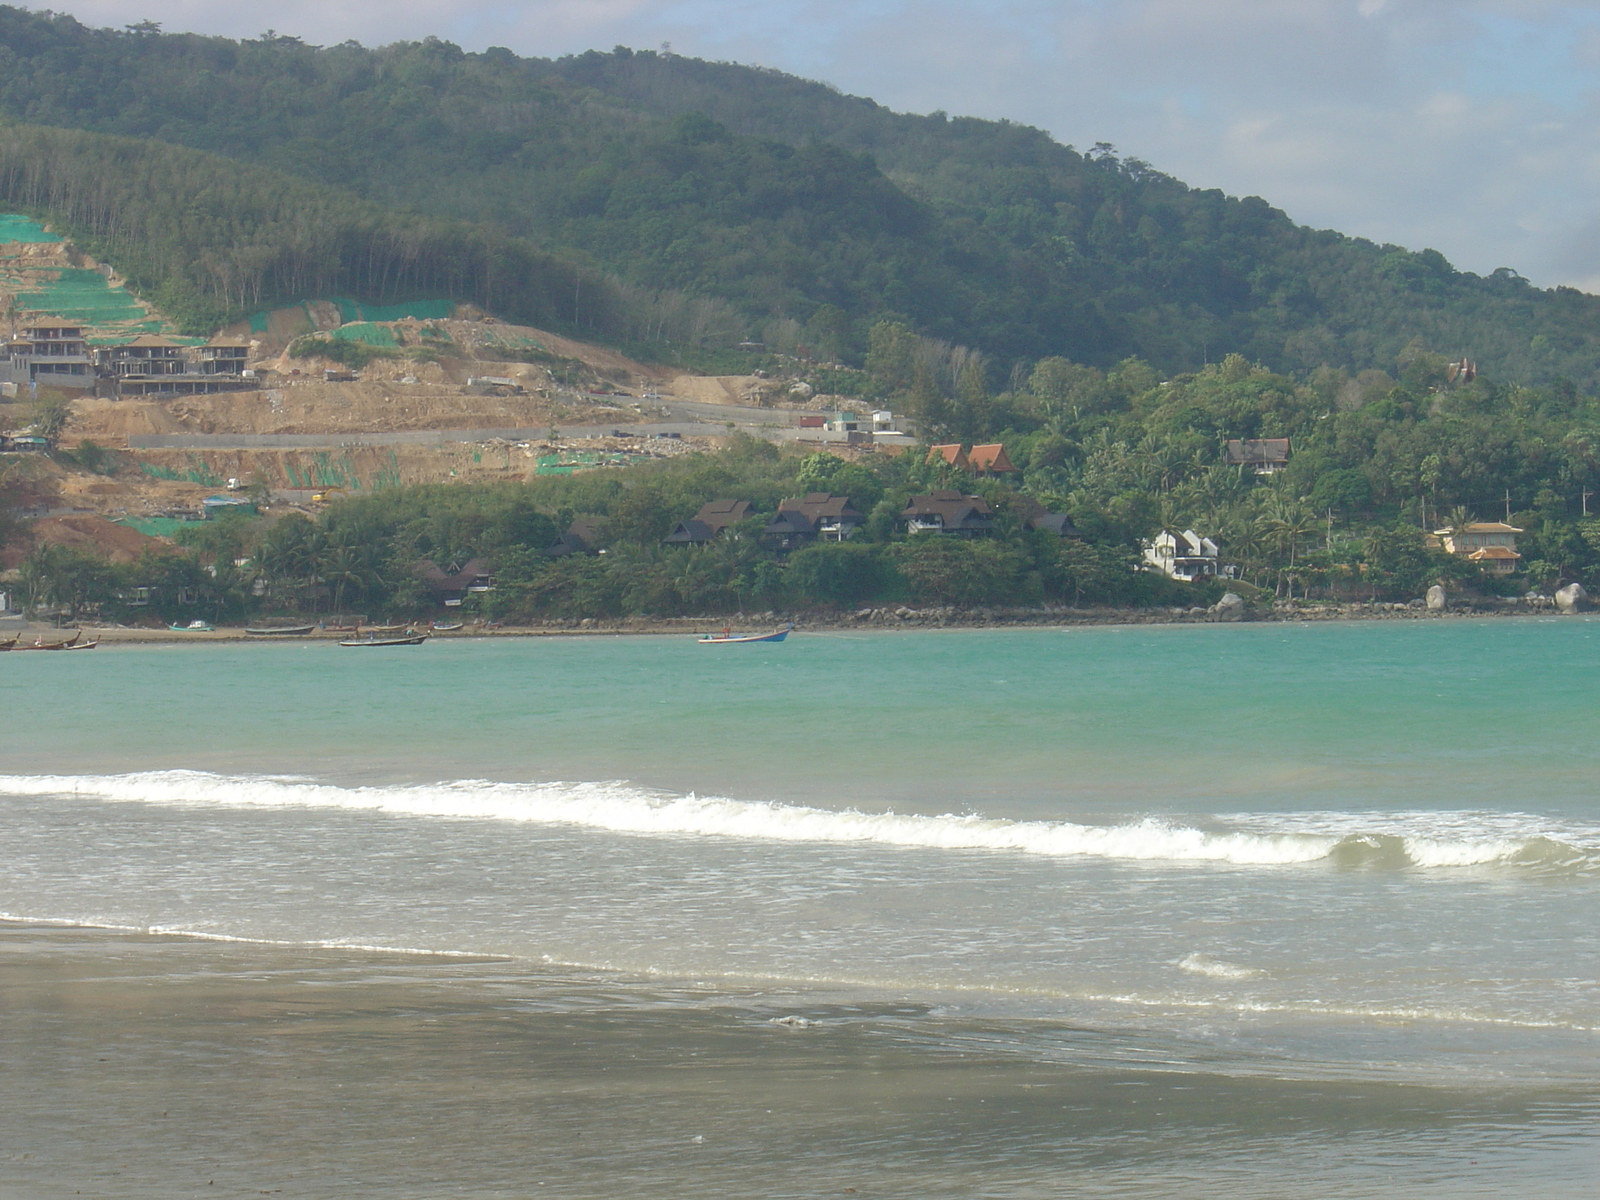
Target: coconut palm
[[1286, 523]]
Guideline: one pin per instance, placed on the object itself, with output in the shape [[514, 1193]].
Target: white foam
[[1216, 968], [1436, 840]]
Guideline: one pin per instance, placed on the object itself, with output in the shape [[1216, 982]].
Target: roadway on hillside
[[694, 419]]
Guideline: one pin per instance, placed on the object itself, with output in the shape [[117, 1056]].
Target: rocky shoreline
[[1230, 609]]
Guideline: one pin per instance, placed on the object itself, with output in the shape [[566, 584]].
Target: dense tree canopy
[[815, 215]]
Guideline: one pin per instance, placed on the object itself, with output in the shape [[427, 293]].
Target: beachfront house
[[1181, 555], [1490, 544], [451, 584], [948, 511], [816, 516], [707, 524], [1034, 515]]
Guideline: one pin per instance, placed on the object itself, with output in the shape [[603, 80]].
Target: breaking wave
[[1405, 840], [1216, 968]]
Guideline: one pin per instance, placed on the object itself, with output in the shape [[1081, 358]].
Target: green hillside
[[810, 214]]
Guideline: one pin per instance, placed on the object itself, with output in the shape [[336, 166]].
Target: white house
[[1186, 555]]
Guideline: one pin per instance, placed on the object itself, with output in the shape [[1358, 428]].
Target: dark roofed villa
[[1264, 456], [581, 537], [452, 584], [710, 521], [816, 515], [946, 511]]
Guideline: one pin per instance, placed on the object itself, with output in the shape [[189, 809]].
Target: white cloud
[[1465, 125]]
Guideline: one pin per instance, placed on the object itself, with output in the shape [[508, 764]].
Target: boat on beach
[[412, 639], [40, 644], [7, 644], [193, 627], [279, 630], [77, 645], [446, 627], [728, 637]]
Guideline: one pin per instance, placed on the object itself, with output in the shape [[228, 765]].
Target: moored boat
[[6, 645], [279, 630], [77, 645], [727, 637]]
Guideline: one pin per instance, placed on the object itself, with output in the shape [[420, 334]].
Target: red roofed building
[[990, 460]]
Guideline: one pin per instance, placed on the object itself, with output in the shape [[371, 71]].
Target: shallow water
[[1260, 910]]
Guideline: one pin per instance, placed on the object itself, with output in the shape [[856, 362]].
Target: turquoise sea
[[1272, 910]]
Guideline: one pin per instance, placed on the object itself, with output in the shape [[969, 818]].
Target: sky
[[1467, 126]]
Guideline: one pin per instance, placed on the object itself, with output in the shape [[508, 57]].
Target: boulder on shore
[[1571, 598], [1436, 600], [1230, 608]]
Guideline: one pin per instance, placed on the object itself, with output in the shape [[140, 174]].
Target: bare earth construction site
[[444, 392]]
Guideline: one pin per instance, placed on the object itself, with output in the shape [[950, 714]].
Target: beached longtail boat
[[77, 645], [6, 645], [40, 644], [279, 630], [728, 637]]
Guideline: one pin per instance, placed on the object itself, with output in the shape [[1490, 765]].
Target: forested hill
[[812, 213]]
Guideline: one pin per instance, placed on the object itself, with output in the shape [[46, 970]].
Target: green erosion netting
[[367, 334], [419, 310], [157, 526], [84, 295], [357, 310], [14, 227]]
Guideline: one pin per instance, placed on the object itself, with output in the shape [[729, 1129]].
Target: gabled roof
[[1488, 553], [1257, 452], [1186, 543], [693, 530], [790, 521], [1057, 523], [952, 454], [719, 514], [817, 505], [227, 344], [954, 510], [152, 341], [581, 537], [437, 579], [989, 458]]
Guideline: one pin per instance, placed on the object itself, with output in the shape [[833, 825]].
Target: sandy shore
[[899, 617]]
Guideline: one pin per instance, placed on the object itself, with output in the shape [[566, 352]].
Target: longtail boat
[[728, 638], [40, 644], [415, 639]]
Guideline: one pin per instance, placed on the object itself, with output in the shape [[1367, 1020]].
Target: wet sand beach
[[141, 1065]]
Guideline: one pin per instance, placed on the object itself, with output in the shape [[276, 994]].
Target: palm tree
[[1287, 523]]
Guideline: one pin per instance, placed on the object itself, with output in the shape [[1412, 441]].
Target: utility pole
[[1586, 494], [1508, 506]]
